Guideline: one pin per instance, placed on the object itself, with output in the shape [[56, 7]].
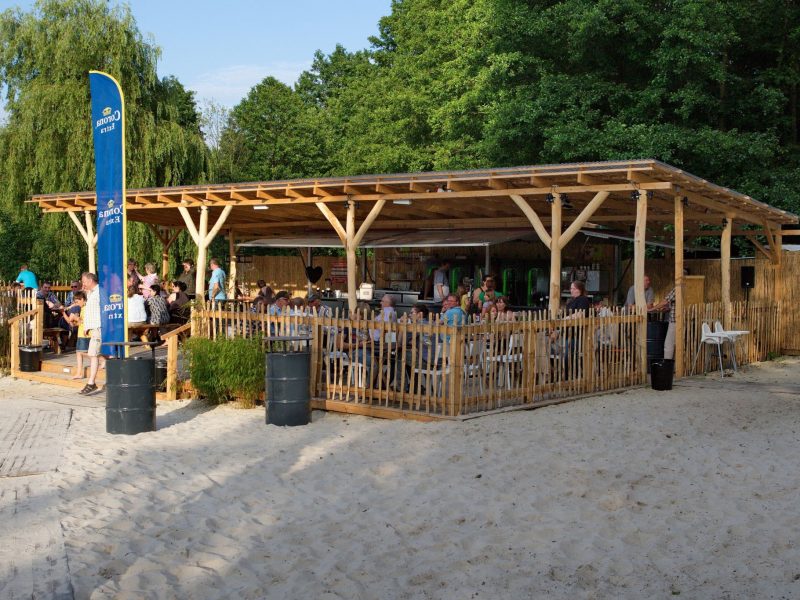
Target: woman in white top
[[137, 315]]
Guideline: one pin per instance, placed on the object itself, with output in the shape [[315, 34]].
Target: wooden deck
[[58, 369]]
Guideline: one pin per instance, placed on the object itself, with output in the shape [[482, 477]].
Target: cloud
[[228, 85]]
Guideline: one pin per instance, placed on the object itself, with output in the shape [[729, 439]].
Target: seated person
[[137, 315], [177, 303], [649, 295], [387, 314], [281, 302], [504, 312], [53, 307], [74, 286], [71, 315], [355, 341], [158, 313], [316, 306], [297, 306]]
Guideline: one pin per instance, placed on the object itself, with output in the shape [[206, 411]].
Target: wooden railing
[[172, 338], [436, 369], [26, 330], [763, 322]]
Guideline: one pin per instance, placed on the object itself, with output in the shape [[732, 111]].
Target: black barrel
[[656, 334], [287, 380], [661, 374], [30, 358], [130, 395], [161, 374]]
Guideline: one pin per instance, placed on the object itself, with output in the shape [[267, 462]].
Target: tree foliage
[[46, 144]]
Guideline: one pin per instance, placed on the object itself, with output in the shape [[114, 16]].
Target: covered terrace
[[653, 200]]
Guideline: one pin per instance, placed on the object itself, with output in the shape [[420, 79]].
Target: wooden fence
[[447, 371], [764, 323]]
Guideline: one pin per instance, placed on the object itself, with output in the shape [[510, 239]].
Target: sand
[[639, 494]]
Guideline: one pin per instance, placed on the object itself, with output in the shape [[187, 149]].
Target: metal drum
[[130, 395], [30, 358], [287, 382], [161, 374], [656, 335]]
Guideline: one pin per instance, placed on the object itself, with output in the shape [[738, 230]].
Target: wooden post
[[351, 239], [777, 253], [310, 263], [350, 251], [202, 250], [680, 338], [14, 347], [172, 368], [88, 236], [725, 266], [232, 264], [638, 276], [91, 242], [555, 256], [202, 238]]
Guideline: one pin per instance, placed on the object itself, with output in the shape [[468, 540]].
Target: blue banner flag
[[108, 128]]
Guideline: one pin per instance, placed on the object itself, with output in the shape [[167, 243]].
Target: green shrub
[[226, 369]]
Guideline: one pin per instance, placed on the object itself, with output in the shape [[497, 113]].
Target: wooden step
[[63, 380]]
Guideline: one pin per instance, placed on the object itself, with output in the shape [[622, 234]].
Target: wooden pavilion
[[656, 200]]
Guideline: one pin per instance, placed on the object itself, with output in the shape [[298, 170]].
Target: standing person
[[216, 284], [440, 287], [27, 278], [82, 342], [91, 326], [668, 304], [189, 275], [150, 279], [649, 295]]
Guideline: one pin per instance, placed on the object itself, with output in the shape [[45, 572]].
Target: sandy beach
[[689, 493]]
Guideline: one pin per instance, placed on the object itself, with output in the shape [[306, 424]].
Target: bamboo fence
[[438, 369]]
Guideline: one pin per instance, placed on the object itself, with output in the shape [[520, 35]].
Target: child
[[82, 344]]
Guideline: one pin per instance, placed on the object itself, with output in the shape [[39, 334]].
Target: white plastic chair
[[511, 356], [474, 361], [712, 339]]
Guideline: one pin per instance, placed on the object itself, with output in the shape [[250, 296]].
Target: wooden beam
[[350, 251], [231, 264], [88, 237], [582, 218], [190, 226], [759, 247], [680, 337], [778, 265], [334, 221], [555, 256], [202, 249], [725, 274], [638, 276], [218, 225], [533, 218], [770, 240], [373, 214]]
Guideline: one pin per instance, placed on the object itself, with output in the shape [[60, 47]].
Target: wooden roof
[[449, 199]]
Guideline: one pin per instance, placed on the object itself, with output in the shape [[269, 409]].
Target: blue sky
[[220, 49]]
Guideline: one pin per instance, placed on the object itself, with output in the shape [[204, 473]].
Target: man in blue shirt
[[451, 311], [27, 278], [216, 285]]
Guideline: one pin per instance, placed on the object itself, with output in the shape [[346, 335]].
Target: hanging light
[[565, 203], [635, 195], [550, 198]]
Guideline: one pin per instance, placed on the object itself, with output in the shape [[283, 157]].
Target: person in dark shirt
[[579, 301]]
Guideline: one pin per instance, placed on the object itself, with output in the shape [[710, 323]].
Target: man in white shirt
[[91, 326]]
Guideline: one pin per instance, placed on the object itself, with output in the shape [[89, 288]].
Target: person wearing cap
[[315, 304]]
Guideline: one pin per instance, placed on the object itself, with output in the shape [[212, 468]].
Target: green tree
[[46, 144], [271, 135]]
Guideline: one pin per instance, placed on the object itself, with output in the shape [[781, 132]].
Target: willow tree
[[46, 143]]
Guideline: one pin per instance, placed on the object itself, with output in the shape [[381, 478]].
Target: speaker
[[748, 277]]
